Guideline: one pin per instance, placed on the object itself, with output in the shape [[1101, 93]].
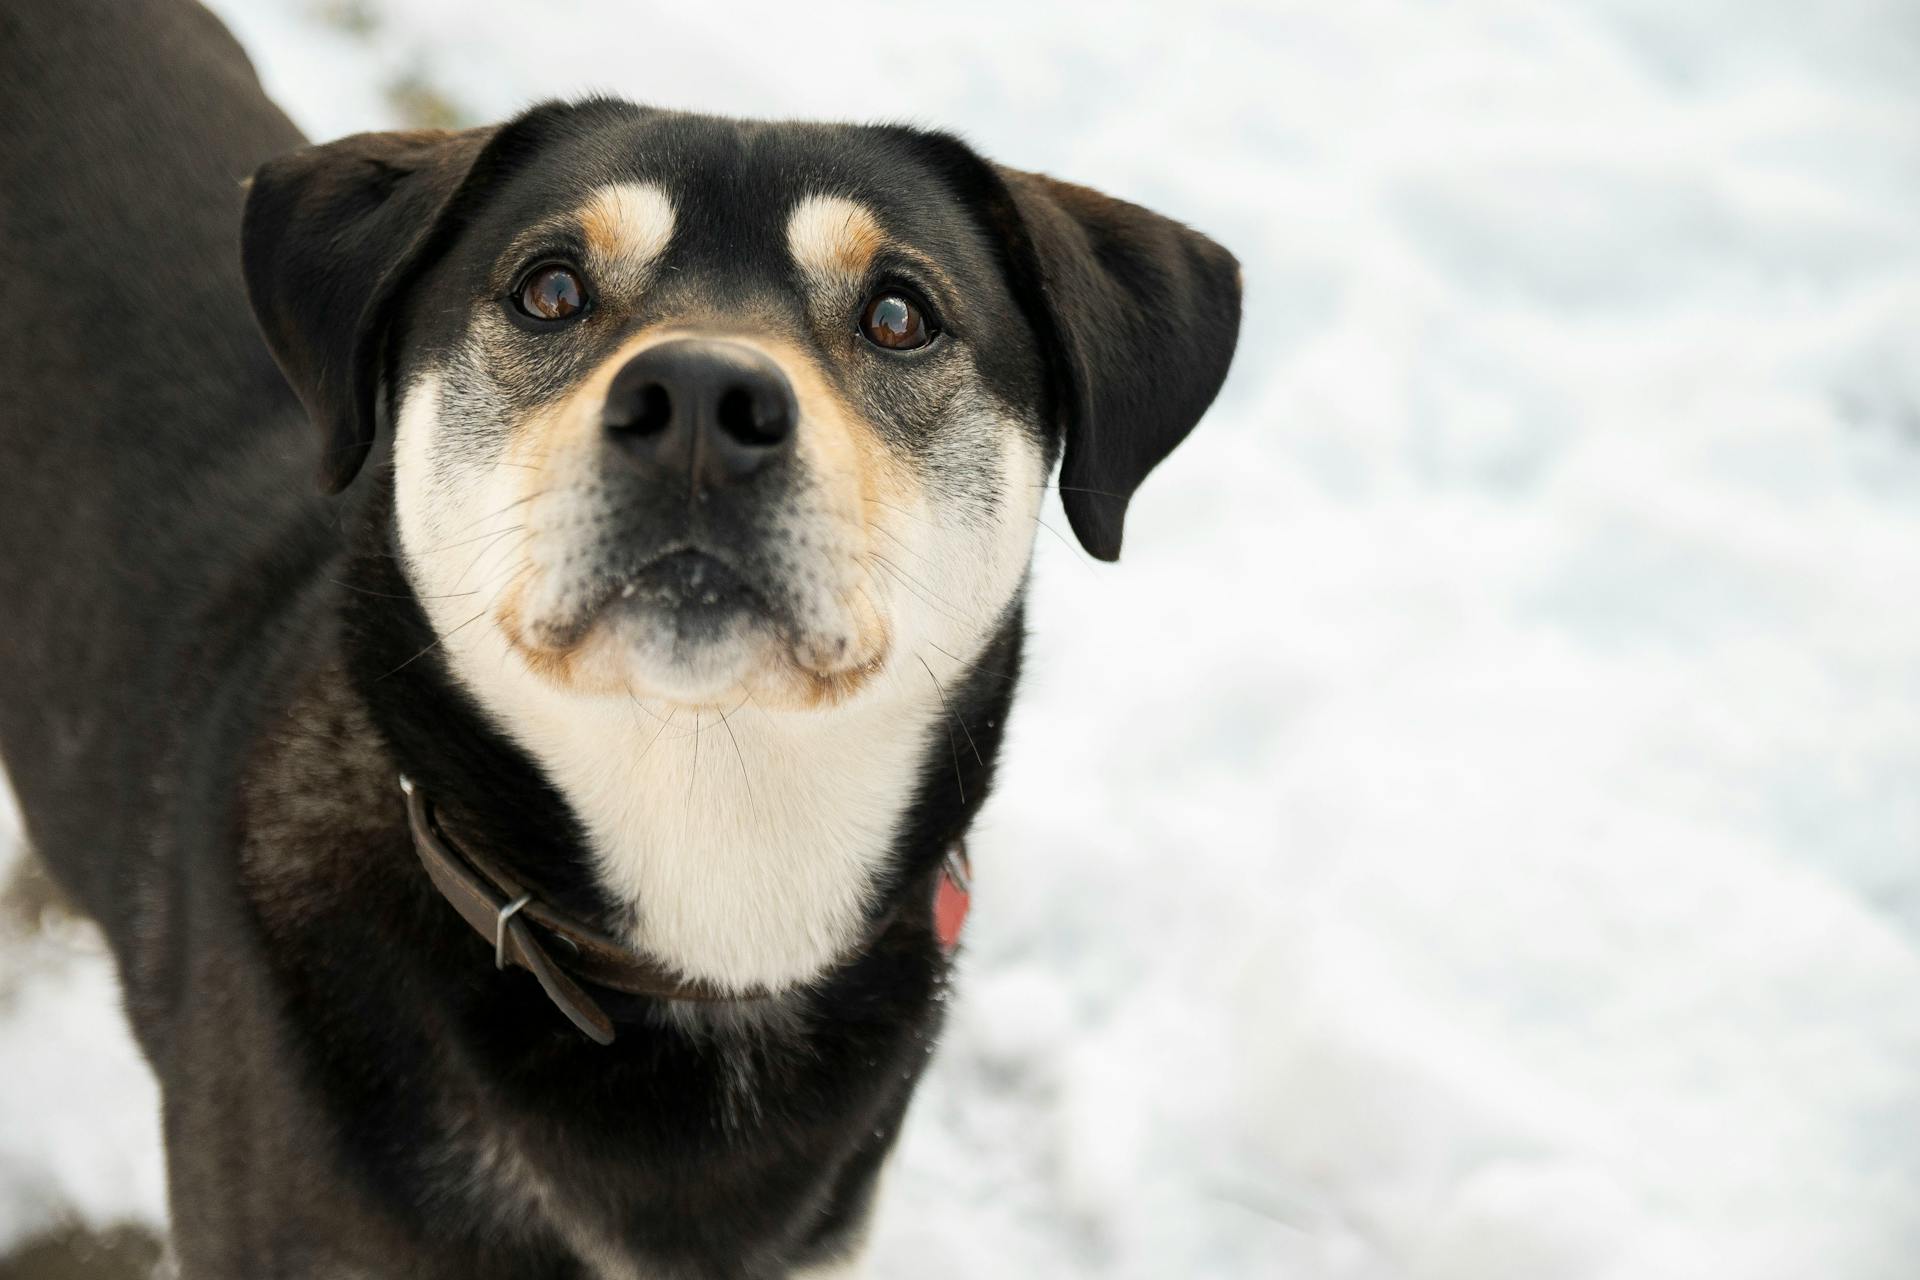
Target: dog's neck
[[744, 846], [749, 850]]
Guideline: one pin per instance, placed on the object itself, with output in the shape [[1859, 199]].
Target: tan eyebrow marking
[[833, 238], [627, 225]]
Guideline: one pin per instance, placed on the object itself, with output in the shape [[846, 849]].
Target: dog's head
[[691, 409]]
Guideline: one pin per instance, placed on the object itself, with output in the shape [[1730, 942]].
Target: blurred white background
[[1475, 832]]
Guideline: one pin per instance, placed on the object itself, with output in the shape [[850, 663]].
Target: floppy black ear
[[330, 235], [1144, 314]]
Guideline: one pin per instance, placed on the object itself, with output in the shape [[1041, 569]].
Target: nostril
[[645, 410], [652, 413], [743, 419]]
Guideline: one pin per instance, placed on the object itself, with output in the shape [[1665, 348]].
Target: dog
[[536, 849]]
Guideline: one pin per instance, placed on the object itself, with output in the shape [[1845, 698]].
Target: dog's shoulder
[[318, 789]]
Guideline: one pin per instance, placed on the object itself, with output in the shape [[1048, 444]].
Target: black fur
[[210, 676]]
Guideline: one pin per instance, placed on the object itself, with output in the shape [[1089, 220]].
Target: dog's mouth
[[699, 594], [696, 624]]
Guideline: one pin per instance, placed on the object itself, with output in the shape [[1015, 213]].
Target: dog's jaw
[[745, 842]]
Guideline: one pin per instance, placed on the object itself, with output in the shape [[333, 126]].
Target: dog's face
[[691, 414], [696, 412], [699, 410]]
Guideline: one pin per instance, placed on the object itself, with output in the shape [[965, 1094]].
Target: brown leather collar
[[504, 911]]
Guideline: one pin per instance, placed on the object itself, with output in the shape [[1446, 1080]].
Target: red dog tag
[[951, 898]]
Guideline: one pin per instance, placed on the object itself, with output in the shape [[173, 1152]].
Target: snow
[[1474, 834]]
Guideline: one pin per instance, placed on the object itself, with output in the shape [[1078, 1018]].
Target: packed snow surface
[[1475, 832]]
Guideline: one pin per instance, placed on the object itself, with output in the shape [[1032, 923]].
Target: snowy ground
[[1475, 835]]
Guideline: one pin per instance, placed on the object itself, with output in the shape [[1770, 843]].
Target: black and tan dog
[[678, 484]]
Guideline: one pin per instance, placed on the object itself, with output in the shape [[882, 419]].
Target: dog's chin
[[689, 631], [695, 655]]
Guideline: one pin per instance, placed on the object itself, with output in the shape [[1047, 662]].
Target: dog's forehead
[[731, 198]]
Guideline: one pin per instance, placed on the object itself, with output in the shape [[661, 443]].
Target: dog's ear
[[1144, 314], [329, 237], [1138, 316]]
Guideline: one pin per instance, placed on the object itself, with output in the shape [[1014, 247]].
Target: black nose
[[712, 411]]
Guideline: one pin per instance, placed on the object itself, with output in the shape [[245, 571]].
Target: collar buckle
[[500, 922]]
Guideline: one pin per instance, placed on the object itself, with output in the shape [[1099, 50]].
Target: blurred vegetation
[[355, 17], [72, 1252], [422, 105], [414, 97], [31, 900]]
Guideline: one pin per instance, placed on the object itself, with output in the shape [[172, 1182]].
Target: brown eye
[[552, 293], [894, 321]]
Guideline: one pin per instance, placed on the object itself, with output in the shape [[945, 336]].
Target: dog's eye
[[552, 292], [893, 320]]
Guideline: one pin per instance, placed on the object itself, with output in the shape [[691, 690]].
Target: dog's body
[[731, 699]]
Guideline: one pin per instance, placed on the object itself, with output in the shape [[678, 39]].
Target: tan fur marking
[[626, 226], [833, 238]]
